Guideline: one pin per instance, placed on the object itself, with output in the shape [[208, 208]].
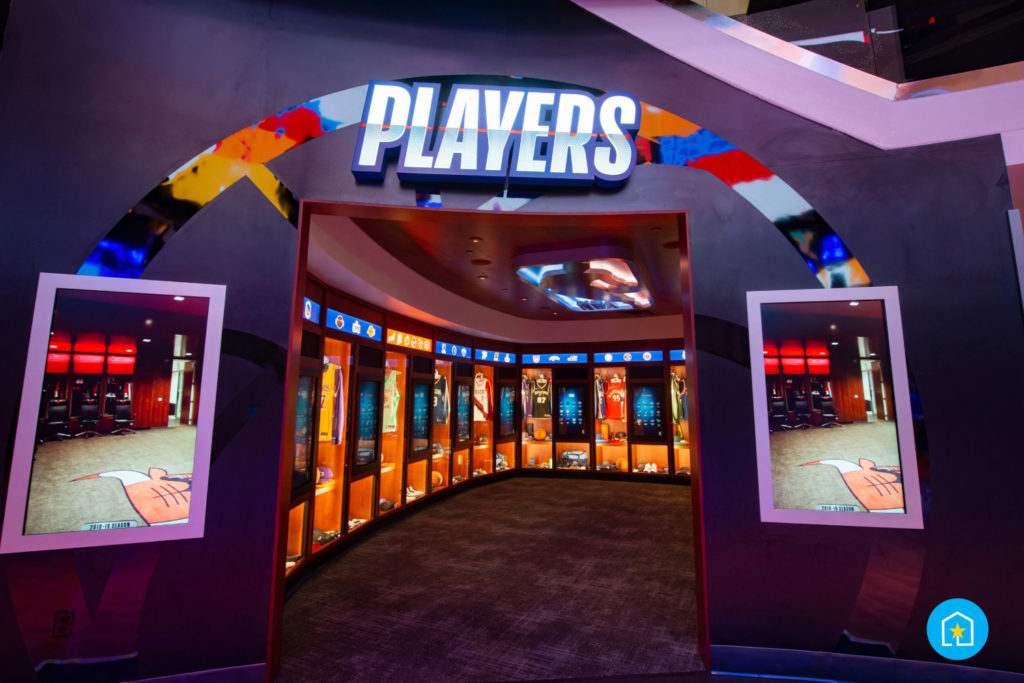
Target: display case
[[419, 462], [611, 441], [505, 451], [295, 545], [648, 429], [361, 501], [536, 397], [441, 427], [680, 419], [302, 452], [483, 420], [393, 431], [332, 442], [463, 429], [572, 441]]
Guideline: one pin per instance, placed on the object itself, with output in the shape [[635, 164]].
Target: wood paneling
[[848, 390]]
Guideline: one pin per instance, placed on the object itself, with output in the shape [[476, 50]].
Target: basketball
[[540, 434], [436, 479]]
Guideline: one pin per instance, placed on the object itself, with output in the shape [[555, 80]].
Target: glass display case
[[483, 420], [415, 480], [647, 427], [302, 454], [610, 434], [680, 419], [571, 433], [361, 503], [463, 441], [536, 397], [505, 449], [366, 429], [332, 442], [295, 546], [441, 444], [392, 431]]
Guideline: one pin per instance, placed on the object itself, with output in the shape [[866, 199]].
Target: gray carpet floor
[[523, 579]]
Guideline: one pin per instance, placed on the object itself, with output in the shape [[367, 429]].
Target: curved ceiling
[[344, 255]]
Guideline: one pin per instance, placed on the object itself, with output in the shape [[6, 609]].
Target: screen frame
[[912, 518], [632, 430], [561, 431], [13, 539]]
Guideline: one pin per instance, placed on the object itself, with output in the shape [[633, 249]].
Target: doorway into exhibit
[[573, 464]]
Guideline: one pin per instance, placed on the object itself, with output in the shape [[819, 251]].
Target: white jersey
[[481, 399]]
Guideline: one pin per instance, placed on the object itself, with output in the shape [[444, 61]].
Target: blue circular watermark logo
[[957, 629]]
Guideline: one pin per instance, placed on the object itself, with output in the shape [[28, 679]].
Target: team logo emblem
[[370, 331], [608, 357], [356, 327], [307, 309], [627, 356], [339, 322], [647, 355]]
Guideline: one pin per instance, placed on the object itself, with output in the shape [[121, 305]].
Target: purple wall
[[101, 101]]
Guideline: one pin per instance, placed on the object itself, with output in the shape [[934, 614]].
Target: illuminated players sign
[[488, 133]]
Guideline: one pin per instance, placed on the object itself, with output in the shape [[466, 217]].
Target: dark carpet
[[523, 579]]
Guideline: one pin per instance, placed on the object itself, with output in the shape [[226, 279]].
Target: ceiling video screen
[[113, 436], [832, 408]]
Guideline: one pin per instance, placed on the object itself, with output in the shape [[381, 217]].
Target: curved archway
[[664, 138]]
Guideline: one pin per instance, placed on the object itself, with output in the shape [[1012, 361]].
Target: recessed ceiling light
[[476, 240], [482, 277], [149, 321], [146, 341], [554, 312], [835, 343], [187, 353], [179, 298], [855, 303], [522, 298], [481, 262], [832, 326]]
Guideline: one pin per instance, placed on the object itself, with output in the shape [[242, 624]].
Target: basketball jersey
[[391, 399], [526, 395], [541, 395], [677, 410], [616, 398], [599, 398], [481, 399], [442, 405]]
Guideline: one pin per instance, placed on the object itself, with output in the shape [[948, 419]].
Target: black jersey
[[541, 398]]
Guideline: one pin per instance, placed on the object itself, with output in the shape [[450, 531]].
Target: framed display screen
[[302, 454], [421, 397], [506, 412], [648, 418], [463, 412], [834, 441], [148, 481], [368, 411], [570, 412]]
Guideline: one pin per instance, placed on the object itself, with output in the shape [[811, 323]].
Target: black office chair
[[829, 416], [123, 418], [802, 410], [777, 414], [89, 418], [57, 420]]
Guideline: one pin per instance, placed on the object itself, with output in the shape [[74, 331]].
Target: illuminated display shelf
[[382, 448]]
